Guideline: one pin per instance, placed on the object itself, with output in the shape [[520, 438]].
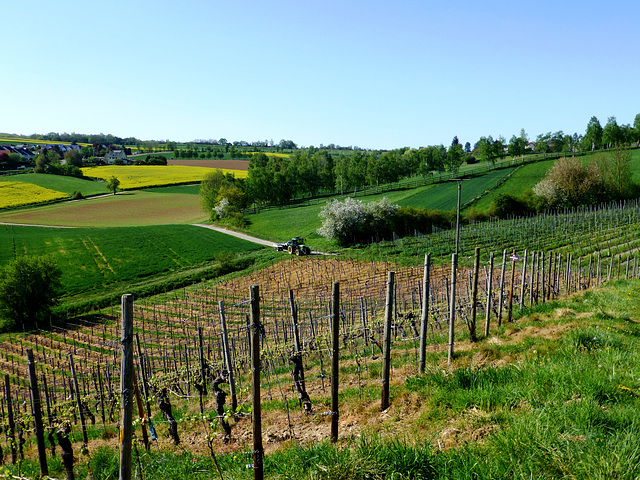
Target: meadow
[[142, 176], [97, 259]]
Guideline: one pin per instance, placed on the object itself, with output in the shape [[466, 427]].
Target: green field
[[94, 258]]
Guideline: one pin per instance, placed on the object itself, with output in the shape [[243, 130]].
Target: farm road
[[248, 238]]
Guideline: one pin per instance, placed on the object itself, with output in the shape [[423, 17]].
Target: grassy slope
[[60, 183], [96, 259], [282, 224]]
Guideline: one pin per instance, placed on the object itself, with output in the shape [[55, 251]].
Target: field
[[123, 209], [142, 176], [59, 183], [94, 259], [13, 194]]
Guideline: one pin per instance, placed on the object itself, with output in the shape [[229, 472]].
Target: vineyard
[[190, 342]]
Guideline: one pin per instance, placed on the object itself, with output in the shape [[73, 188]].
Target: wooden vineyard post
[[474, 296], [452, 306], [365, 330], [523, 279], [514, 258], [11, 426], [386, 355], [49, 416], [136, 392], [203, 371], [425, 311], [145, 388], [37, 414], [335, 358], [85, 439], [298, 370], [227, 358], [126, 386], [258, 450], [501, 291], [487, 319]]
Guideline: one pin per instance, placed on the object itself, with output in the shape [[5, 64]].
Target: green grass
[[60, 183], [524, 178], [95, 259], [444, 196]]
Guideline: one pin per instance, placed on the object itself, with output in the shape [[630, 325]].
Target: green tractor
[[294, 246]]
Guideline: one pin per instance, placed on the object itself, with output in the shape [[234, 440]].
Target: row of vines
[[180, 339]]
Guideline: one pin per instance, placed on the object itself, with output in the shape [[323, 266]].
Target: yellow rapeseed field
[[138, 176], [13, 194]]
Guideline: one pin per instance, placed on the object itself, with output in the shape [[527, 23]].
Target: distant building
[[114, 155]]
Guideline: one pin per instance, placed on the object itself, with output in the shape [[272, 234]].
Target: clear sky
[[373, 74]]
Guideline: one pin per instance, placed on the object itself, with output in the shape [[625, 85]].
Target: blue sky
[[371, 74]]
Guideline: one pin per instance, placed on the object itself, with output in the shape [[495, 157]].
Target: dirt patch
[[225, 164]]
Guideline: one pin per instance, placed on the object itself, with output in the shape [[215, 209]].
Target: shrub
[[354, 221]]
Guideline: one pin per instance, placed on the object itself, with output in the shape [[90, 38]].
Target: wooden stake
[[452, 306], [425, 311], [386, 357], [335, 358], [126, 387], [258, 450], [37, 414]]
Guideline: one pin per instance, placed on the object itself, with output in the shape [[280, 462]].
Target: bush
[[506, 205], [353, 221]]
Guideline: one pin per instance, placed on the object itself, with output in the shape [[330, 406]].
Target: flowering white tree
[[221, 208], [354, 219]]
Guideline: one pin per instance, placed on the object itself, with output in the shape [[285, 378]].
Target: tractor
[[294, 246]]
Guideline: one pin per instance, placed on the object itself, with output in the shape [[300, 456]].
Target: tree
[[611, 133], [29, 288], [113, 183], [73, 157], [615, 168], [593, 136], [485, 149], [455, 157], [570, 183]]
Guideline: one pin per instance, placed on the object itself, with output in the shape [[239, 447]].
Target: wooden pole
[[126, 386], [11, 426], [487, 319], [335, 358], [452, 306], [85, 438], [523, 279], [501, 291], [425, 311], [513, 278], [386, 356], [227, 358], [474, 296], [258, 451], [136, 392], [37, 414]]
